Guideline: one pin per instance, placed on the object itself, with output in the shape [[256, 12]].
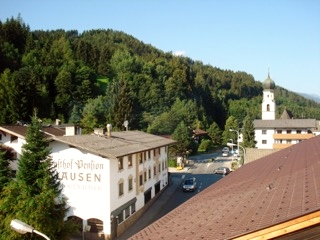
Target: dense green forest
[[107, 76]]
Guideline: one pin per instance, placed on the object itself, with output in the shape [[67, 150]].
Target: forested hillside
[[106, 76]]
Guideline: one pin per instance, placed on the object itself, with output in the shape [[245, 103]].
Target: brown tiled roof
[[277, 188], [21, 131], [199, 132], [16, 130]]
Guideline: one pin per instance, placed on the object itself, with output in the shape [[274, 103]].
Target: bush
[[172, 163], [205, 145]]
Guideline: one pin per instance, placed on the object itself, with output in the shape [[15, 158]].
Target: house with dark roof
[[272, 133], [274, 197], [108, 177]]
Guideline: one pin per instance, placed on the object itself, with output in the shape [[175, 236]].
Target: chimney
[[109, 127]]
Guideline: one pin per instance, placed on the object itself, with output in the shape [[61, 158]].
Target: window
[[299, 131], [149, 173], [120, 163], [140, 158], [130, 161], [133, 208], [120, 189], [130, 185], [264, 131], [140, 180], [120, 217], [268, 107], [264, 141], [154, 170], [127, 212], [279, 131], [159, 167], [145, 176], [149, 154], [288, 131]]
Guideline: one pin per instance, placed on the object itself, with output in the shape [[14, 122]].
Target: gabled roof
[[286, 114], [117, 145], [285, 123], [270, 191]]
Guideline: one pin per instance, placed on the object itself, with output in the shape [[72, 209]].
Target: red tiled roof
[[274, 189]]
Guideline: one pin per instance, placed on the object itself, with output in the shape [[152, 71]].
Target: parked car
[[225, 152], [189, 184], [225, 149], [222, 170]]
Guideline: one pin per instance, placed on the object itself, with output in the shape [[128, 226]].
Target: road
[[201, 167]]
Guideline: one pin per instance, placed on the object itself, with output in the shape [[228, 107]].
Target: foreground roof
[[270, 191], [285, 123]]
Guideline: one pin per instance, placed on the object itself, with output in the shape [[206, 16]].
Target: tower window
[[268, 107]]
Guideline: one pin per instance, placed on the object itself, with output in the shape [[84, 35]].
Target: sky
[[279, 37]]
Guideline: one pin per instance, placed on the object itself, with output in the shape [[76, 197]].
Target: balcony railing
[[292, 136]]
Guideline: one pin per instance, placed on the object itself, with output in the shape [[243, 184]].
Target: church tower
[[268, 102]]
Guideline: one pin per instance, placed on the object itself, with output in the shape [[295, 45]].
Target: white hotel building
[[272, 133], [107, 177]]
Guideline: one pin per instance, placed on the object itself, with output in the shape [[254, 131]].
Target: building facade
[[272, 133], [107, 177]]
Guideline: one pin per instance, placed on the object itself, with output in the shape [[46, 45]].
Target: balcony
[[281, 145], [292, 136]]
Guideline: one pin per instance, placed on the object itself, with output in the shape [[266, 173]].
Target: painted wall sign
[[80, 174]]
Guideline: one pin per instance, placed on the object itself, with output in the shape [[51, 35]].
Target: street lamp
[[232, 144], [24, 228], [232, 130], [243, 149]]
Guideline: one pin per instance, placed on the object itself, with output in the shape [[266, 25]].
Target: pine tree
[[248, 132], [35, 197], [5, 172]]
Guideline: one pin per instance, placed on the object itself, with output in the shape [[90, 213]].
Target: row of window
[[141, 158], [288, 141], [127, 212], [143, 177], [281, 131]]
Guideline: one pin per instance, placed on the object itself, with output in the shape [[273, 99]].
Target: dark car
[[189, 184], [222, 170]]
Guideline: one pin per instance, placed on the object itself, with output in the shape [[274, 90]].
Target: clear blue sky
[[240, 35]]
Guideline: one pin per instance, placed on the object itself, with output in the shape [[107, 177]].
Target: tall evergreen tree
[[248, 132], [35, 197], [231, 123], [214, 133], [5, 171]]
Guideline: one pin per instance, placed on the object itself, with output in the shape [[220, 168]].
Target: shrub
[[172, 163]]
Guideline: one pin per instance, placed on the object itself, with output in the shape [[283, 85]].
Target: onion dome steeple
[[268, 83]]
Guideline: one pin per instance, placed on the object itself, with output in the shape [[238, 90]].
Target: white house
[[272, 133], [107, 176]]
